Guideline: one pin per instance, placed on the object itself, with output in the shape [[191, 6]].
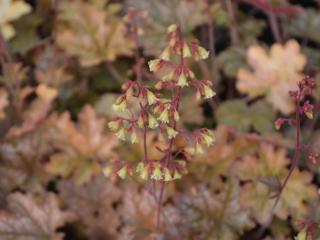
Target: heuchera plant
[[160, 114]]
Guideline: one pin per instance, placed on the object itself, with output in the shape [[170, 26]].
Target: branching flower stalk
[[160, 114], [303, 108]]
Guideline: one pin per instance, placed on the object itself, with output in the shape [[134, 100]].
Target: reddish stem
[[297, 153], [273, 21], [176, 100], [233, 23]]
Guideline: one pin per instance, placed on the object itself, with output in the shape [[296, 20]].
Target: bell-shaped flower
[[152, 121], [114, 125], [171, 132], [154, 65], [182, 80], [167, 175], [151, 98], [122, 173], [164, 116], [186, 50], [157, 173], [208, 92], [121, 134]]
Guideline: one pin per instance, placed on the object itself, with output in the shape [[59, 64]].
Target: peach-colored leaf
[[275, 73]]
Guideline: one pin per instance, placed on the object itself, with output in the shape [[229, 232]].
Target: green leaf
[[262, 117], [231, 60], [250, 29], [220, 16], [306, 25], [162, 14], [313, 56], [239, 115], [26, 37]]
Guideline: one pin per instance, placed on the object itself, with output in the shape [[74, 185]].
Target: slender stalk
[[233, 23], [296, 157], [176, 101], [273, 21], [294, 164], [53, 61]]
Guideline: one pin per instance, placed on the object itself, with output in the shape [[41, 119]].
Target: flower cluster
[[157, 113], [303, 107]]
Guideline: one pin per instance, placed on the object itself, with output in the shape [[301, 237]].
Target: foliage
[[94, 35], [147, 119], [237, 114], [80, 146], [273, 75], [30, 217], [11, 10]]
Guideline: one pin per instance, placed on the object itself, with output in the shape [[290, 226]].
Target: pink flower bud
[[278, 123]]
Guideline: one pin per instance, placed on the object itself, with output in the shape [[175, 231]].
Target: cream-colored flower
[[274, 74]]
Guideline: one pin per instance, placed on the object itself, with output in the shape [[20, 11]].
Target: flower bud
[[165, 55], [120, 107], [307, 109], [122, 173], [140, 167], [142, 170], [164, 117], [134, 137], [189, 73], [121, 134], [313, 155], [176, 175], [154, 65], [309, 114], [152, 122], [186, 50], [171, 132], [172, 28], [182, 81], [208, 137], [198, 95], [114, 125], [140, 122], [157, 173], [199, 149], [190, 150], [278, 123], [208, 92], [151, 98], [293, 94], [167, 175], [107, 171], [176, 116], [168, 77], [203, 53]]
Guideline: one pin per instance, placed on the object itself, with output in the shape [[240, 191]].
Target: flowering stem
[[296, 154], [176, 102]]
